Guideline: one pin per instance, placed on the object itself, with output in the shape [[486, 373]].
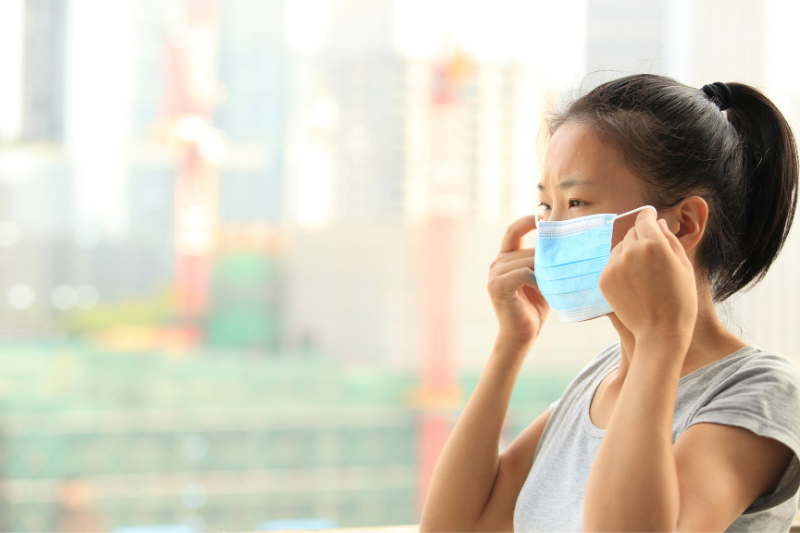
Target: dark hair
[[742, 161]]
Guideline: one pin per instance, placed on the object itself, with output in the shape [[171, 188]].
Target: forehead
[[576, 153]]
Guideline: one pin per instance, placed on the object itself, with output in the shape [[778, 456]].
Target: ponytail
[[770, 174]]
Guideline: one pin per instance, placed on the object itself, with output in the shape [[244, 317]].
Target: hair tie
[[720, 94]]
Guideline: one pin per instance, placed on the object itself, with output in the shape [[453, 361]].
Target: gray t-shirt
[[750, 388]]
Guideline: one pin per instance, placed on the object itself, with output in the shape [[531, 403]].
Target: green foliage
[[158, 311]]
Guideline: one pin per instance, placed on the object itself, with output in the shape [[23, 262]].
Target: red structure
[[191, 93], [440, 393]]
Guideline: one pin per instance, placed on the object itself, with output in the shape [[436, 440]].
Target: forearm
[[467, 467], [633, 484]]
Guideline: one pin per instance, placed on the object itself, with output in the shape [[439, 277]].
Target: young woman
[[681, 425]]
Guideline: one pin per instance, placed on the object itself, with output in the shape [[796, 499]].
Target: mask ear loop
[[655, 212]]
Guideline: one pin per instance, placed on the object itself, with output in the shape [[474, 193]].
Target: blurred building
[[35, 180], [44, 70], [369, 121], [626, 36], [253, 69], [89, 178], [686, 40], [732, 39], [222, 441], [59, 253]]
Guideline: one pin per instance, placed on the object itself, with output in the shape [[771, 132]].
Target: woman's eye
[[576, 203], [544, 207]]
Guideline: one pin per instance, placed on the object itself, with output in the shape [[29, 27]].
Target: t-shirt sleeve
[[553, 406], [762, 396]]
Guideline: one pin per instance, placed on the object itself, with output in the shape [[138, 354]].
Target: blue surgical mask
[[570, 254]]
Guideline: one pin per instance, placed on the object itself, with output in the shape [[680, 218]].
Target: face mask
[[570, 254]]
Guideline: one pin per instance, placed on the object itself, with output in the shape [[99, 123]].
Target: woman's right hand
[[520, 307]]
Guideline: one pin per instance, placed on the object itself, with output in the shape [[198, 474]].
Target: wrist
[[512, 344], [661, 352], [668, 338], [517, 337]]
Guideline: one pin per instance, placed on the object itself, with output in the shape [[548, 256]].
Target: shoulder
[[750, 371], [752, 388], [755, 362], [770, 375]]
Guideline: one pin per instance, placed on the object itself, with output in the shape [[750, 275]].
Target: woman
[[682, 425]]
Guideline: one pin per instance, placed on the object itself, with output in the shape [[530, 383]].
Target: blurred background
[[244, 243]]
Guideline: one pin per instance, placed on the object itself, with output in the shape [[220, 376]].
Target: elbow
[[437, 526], [428, 525], [426, 528], [629, 522]]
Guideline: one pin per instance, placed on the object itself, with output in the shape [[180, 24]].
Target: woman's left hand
[[649, 281]]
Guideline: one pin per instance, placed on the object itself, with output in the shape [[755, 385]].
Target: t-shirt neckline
[[595, 431]]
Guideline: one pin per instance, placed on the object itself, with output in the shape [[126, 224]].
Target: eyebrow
[[566, 184]]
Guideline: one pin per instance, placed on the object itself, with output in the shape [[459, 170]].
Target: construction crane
[[439, 393], [191, 92]]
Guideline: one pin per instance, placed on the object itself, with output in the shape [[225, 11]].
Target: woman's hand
[[520, 307], [649, 282]]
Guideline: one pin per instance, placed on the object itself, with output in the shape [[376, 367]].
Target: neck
[[711, 341]]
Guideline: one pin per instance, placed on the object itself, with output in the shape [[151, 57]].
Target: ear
[[687, 221]]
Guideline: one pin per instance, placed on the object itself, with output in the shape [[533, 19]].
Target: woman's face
[[582, 176]]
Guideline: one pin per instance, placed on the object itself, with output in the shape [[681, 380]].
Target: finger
[[510, 283], [511, 256], [673, 241], [502, 268], [646, 225], [512, 240], [646, 214]]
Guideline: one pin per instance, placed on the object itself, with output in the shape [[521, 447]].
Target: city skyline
[[272, 221]]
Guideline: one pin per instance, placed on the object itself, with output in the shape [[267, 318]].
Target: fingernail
[[531, 276]]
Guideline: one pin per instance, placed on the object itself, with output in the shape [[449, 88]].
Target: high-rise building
[[44, 62], [626, 36], [353, 285], [35, 210], [253, 70], [35, 175]]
